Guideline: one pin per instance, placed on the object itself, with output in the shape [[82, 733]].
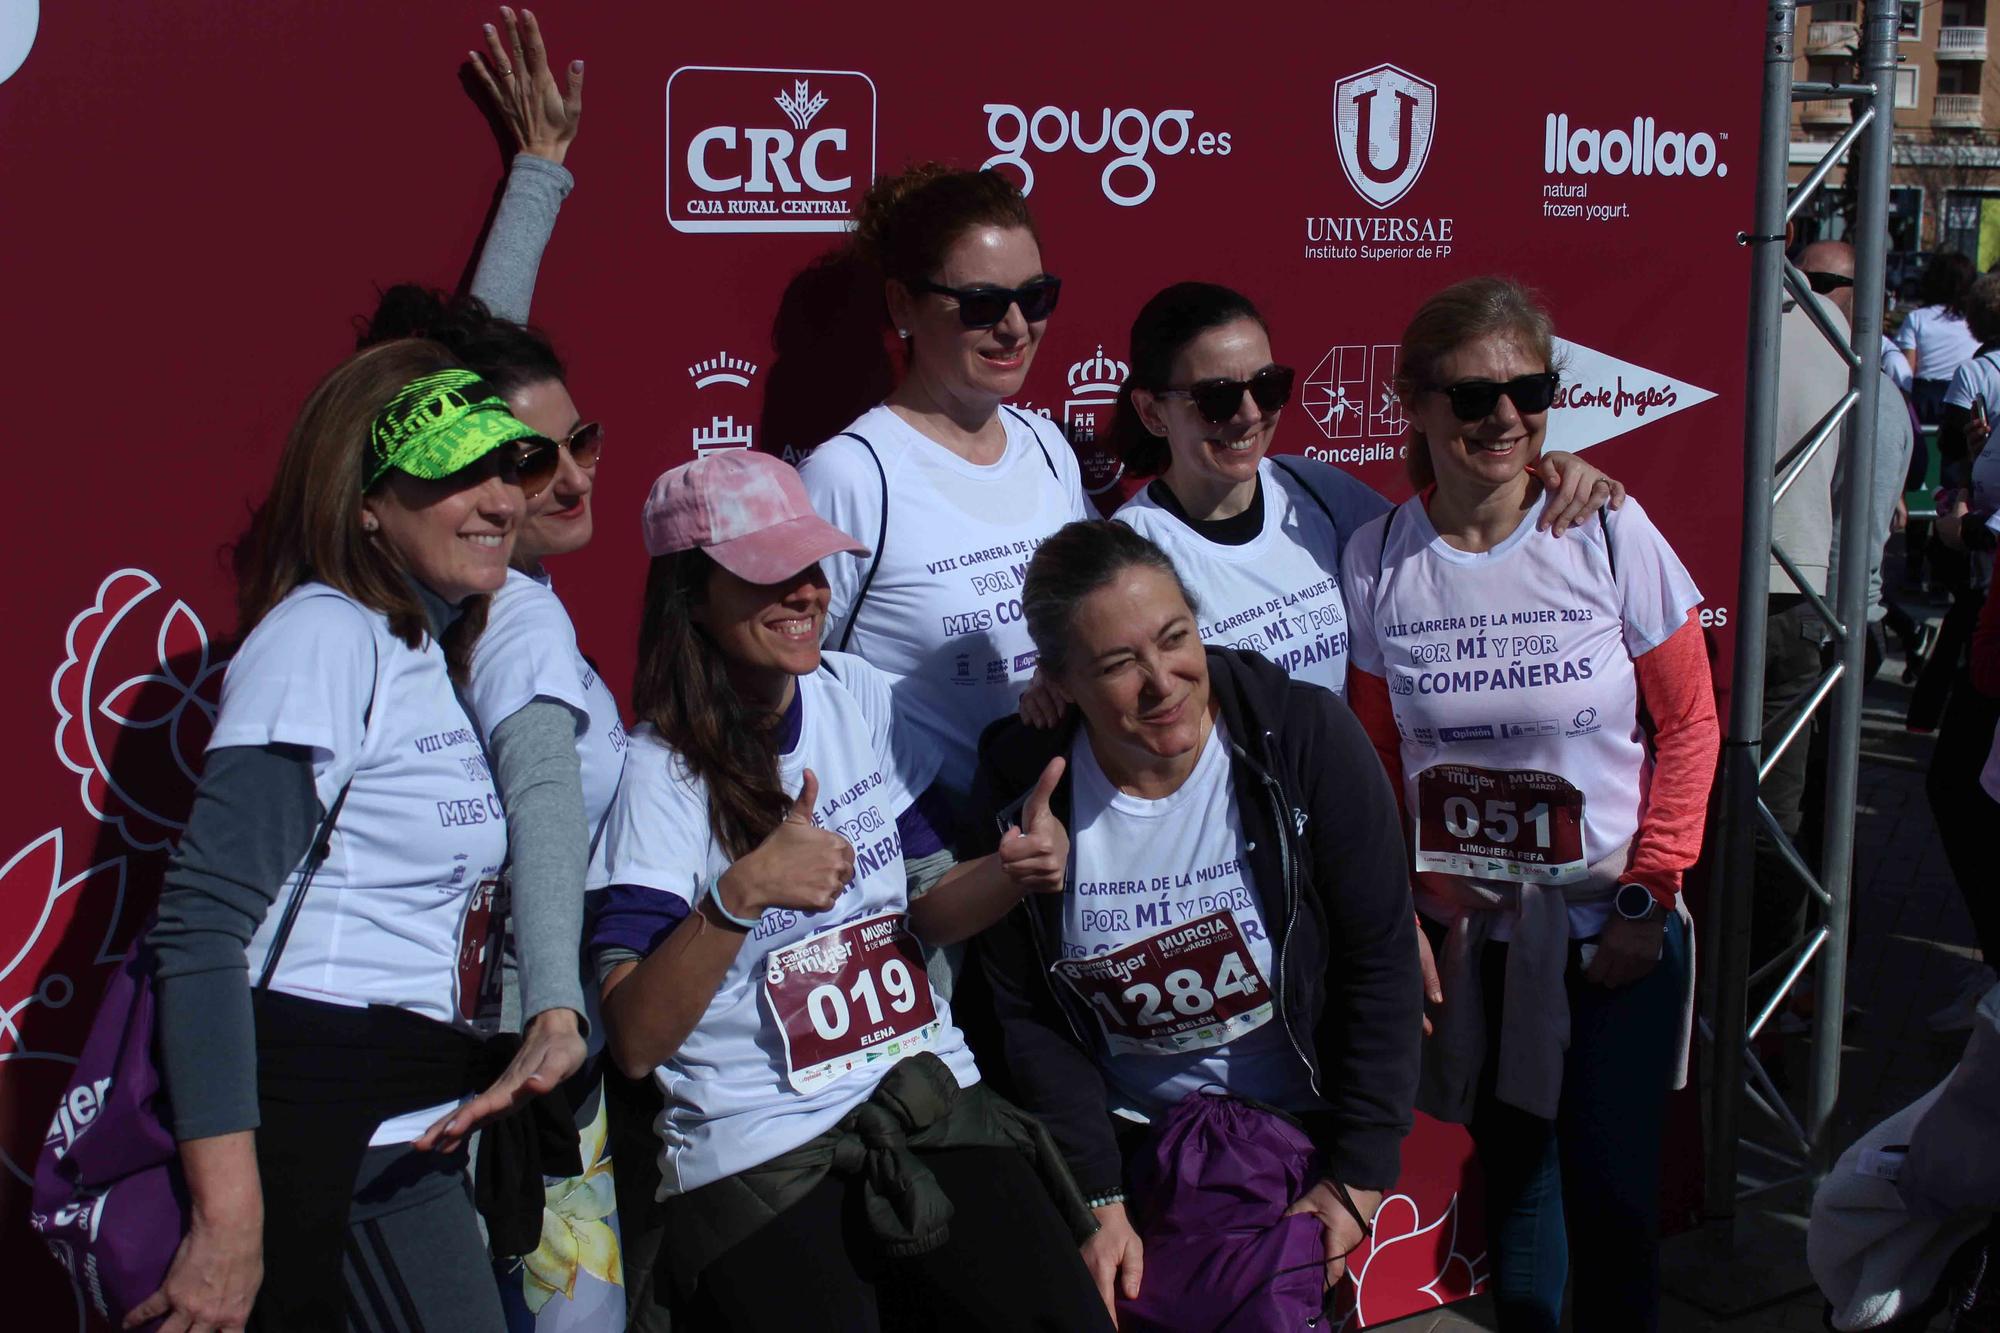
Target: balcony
[[1829, 113], [1963, 111], [1834, 39], [1961, 44]]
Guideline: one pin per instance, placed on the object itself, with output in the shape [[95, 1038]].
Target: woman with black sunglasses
[[1502, 678], [1257, 538], [550, 726], [951, 489]]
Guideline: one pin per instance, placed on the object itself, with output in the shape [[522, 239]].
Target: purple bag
[[1209, 1192], [110, 1201]]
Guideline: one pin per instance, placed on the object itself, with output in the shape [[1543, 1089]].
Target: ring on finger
[[506, 71]]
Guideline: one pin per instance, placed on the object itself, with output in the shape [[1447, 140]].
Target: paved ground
[[1912, 946]]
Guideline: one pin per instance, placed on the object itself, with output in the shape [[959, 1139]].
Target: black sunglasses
[[1823, 282], [1217, 400], [1474, 400], [538, 458], [983, 307]]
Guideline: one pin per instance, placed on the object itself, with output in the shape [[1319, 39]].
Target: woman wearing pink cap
[[769, 864]]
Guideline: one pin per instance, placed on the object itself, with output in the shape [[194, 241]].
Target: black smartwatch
[[1635, 902]]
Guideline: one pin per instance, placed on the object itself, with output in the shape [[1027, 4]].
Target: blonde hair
[[1464, 312]]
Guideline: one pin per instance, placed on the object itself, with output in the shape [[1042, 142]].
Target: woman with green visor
[[327, 940]]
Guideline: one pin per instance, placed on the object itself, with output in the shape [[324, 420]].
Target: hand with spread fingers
[[552, 1048], [515, 71], [1036, 854]]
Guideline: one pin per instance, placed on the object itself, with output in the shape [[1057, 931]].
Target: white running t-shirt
[[528, 651], [1978, 381], [816, 1007], [1278, 593], [1940, 338], [405, 910], [1510, 673], [942, 614], [1165, 944]]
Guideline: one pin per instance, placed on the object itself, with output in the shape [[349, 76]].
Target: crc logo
[[1131, 132], [1643, 150], [768, 149], [1383, 122]]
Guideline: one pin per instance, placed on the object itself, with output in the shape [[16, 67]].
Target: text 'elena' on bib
[[850, 996], [1497, 824], [1184, 988], [480, 939]]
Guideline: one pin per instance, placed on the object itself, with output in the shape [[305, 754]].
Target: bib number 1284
[[1184, 988]]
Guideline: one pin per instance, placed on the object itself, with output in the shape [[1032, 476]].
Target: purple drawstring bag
[[1209, 1192], [109, 1199]]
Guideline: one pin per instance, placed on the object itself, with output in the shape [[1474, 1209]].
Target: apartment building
[[1945, 185]]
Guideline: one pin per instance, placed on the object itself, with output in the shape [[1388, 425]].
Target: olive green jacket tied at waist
[[918, 1107]]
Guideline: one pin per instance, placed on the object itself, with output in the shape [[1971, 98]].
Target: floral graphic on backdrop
[[140, 691]]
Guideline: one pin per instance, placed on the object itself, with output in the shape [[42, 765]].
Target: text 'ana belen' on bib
[[1520, 824], [849, 997], [1185, 988]]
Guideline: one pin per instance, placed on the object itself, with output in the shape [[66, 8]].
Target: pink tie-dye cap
[[748, 510]]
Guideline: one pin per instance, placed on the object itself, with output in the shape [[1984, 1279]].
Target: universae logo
[[760, 150], [1384, 120]]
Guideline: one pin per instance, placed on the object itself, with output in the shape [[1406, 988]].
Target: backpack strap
[[881, 535], [322, 843], [1382, 556], [1047, 461], [1610, 551]]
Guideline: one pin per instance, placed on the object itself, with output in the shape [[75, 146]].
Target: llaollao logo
[[1383, 121]]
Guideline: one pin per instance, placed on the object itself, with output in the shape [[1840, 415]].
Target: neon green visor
[[438, 424]]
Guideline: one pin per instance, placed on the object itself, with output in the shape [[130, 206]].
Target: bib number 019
[[832, 1014]]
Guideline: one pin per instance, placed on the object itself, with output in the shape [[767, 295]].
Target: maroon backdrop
[[201, 197]]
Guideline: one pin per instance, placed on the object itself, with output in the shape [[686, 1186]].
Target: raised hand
[[516, 73], [800, 865], [1576, 491], [1036, 854]]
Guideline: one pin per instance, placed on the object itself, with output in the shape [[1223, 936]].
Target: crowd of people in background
[[986, 921]]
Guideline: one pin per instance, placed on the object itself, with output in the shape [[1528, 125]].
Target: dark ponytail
[[1166, 324], [507, 355], [682, 687]]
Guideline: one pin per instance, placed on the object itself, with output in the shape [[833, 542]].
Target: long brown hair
[[682, 688], [309, 527], [1464, 312]]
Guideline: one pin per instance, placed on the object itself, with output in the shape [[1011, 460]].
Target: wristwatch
[[1635, 902]]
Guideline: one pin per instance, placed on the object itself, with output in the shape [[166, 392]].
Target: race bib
[[848, 997], [1492, 824], [1182, 989], [479, 950]]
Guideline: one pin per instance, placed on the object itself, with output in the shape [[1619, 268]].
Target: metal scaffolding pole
[[1868, 176], [1729, 906], [1734, 1070]]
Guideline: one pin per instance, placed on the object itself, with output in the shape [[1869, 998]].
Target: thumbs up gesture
[[800, 865], [1035, 855]]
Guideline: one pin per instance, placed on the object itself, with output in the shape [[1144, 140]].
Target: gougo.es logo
[[1133, 135]]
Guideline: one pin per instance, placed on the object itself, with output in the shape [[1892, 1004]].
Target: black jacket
[[1325, 852]]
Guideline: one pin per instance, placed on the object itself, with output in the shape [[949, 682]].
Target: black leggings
[[1009, 1263]]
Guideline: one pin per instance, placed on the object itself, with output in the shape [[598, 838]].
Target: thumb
[[808, 797], [1037, 808], [1131, 1271]]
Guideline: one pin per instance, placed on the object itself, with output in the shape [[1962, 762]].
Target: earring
[[902, 333], [369, 524]]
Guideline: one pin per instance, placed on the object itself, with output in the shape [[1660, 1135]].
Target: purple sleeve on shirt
[[923, 826], [625, 916]]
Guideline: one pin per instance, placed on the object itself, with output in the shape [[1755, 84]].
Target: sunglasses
[[1217, 400], [983, 307], [540, 457], [1474, 400], [1828, 282]]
